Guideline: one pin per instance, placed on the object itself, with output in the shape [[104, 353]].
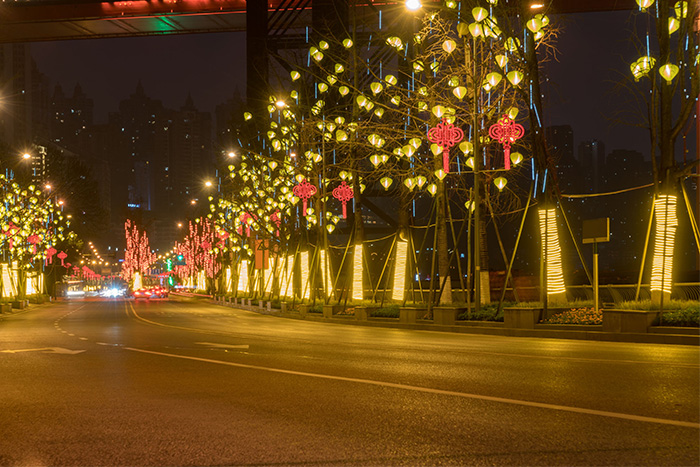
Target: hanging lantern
[[449, 46], [506, 131], [673, 25], [330, 228], [501, 60], [515, 77], [376, 88], [295, 75], [304, 190], [516, 158], [479, 13], [470, 205], [410, 183], [343, 193], [494, 78], [375, 160], [432, 189], [440, 174], [386, 182], [476, 30], [347, 43], [668, 72], [470, 163], [534, 25], [644, 4], [500, 183], [460, 92], [445, 135], [420, 181], [438, 111]]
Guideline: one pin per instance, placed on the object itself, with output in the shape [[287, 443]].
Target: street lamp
[[231, 154], [413, 5]]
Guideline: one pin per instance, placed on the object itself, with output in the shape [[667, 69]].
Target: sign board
[[596, 230]]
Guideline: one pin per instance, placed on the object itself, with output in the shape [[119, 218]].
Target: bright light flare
[[304, 258], [413, 5]]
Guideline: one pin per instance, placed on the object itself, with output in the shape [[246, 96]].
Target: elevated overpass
[[49, 20]]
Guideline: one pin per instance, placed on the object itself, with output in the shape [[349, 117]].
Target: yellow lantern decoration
[[681, 9], [516, 158], [324, 45], [340, 136], [462, 29], [500, 183], [460, 92], [343, 90], [322, 87], [513, 112], [396, 100], [379, 112], [415, 142], [347, 43], [375, 160], [386, 182], [420, 181], [476, 30], [435, 149], [449, 46], [395, 42], [376, 88], [438, 111], [361, 100], [339, 68], [673, 25], [501, 60], [479, 13], [295, 75], [440, 174], [470, 205], [453, 81], [410, 183], [494, 78], [515, 77], [512, 44], [466, 147], [644, 4], [470, 163], [534, 25], [668, 72], [432, 189]]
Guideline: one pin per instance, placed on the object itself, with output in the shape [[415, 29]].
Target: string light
[[304, 258], [400, 271], [357, 289], [551, 251], [664, 238]]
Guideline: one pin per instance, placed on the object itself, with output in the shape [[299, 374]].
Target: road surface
[[169, 382]]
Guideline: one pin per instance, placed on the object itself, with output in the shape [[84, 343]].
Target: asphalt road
[[185, 383]]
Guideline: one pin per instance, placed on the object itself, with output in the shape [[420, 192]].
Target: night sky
[[594, 54]]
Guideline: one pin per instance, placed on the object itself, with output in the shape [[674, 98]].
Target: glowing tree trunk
[[551, 255], [662, 264]]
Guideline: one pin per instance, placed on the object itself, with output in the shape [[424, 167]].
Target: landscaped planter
[[409, 315], [330, 310], [5, 307], [361, 313], [637, 321], [284, 307], [446, 315], [521, 318], [19, 304]]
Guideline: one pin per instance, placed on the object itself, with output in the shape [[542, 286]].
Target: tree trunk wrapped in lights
[[664, 238], [551, 254]]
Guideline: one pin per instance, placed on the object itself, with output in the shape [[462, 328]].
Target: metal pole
[[595, 276]]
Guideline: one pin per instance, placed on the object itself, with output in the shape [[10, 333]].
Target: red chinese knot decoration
[[506, 131], [446, 135], [62, 255], [304, 190], [343, 193]]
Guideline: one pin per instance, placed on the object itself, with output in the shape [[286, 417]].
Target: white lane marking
[[59, 350], [563, 408], [224, 346], [83, 338]]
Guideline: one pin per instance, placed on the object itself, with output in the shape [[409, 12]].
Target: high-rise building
[[591, 157]]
